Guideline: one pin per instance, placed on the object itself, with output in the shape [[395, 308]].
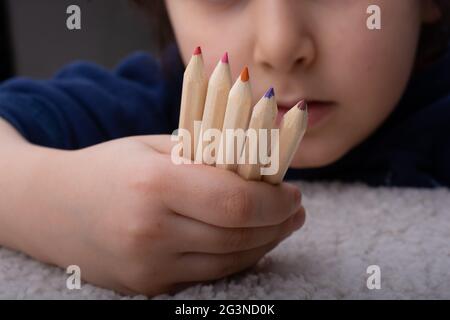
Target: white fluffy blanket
[[406, 232]]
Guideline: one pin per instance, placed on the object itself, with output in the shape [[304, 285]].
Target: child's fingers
[[205, 267], [198, 237], [224, 199]]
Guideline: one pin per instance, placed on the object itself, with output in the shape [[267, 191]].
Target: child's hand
[[135, 222]]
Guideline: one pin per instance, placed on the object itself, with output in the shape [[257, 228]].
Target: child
[[87, 177]]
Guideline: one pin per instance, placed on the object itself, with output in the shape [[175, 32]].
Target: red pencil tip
[[244, 75], [302, 105], [225, 58], [197, 51]]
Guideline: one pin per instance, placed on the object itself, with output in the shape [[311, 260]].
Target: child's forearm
[[23, 202]]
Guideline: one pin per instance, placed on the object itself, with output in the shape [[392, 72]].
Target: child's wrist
[[26, 214]]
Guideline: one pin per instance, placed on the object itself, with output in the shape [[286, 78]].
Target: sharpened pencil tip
[[197, 51], [225, 58], [302, 105], [270, 93], [244, 75]]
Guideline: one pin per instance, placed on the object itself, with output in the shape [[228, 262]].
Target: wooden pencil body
[[263, 117], [292, 130], [237, 116], [214, 111], [192, 100]]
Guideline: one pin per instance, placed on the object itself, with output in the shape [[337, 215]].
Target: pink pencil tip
[[225, 58], [302, 105], [197, 51]]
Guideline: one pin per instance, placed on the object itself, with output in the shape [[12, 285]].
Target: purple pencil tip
[[270, 93]]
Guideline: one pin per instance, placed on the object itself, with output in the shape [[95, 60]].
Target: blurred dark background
[[34, 39], [6, 62]]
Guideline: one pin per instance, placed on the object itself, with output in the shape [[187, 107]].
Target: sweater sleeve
[[85, 104]]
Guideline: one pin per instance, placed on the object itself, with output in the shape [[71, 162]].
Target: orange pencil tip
[[244, 75]]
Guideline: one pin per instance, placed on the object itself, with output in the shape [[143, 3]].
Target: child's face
[[321, 50]]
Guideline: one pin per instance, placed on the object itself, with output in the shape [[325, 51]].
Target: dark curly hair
[[433, 43], [435, 37]]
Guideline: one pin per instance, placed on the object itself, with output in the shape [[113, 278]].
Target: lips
[[317, 111]]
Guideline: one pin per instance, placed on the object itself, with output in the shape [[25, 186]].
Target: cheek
[[375, 69], [189, 30], [367, 76], [215, 33]]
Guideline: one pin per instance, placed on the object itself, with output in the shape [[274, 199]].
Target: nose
[[283, 42]]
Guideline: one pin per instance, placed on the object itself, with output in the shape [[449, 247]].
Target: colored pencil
[[237, 116], [214, 112], [292, 129], [193, 99], [263, 117]]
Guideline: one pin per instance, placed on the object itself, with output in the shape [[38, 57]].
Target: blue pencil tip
[[270, 93]]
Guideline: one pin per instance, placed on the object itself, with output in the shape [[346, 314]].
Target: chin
[[310, 158]]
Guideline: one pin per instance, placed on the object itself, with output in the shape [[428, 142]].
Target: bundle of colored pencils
[[209, 109]]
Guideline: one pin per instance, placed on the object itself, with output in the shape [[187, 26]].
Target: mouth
[[317, 111]]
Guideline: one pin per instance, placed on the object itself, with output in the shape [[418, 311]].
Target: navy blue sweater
[[85, 104]]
